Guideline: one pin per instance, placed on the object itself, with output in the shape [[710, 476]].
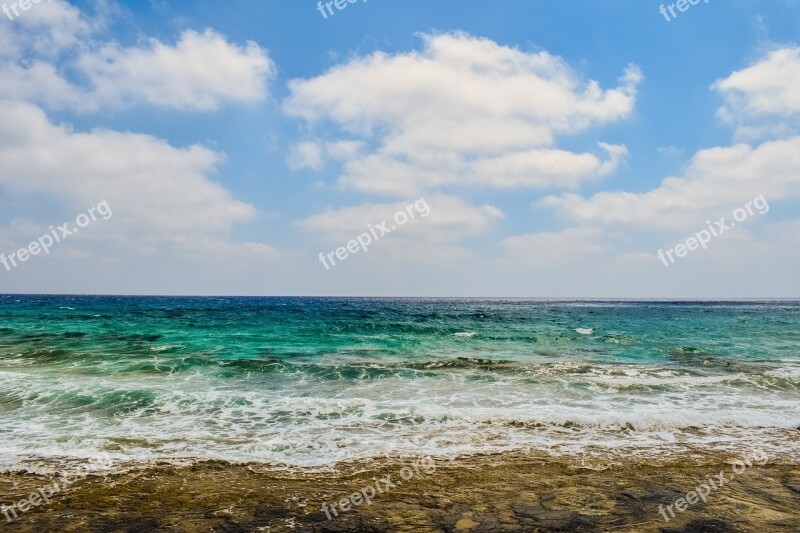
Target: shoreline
[[482, 493]]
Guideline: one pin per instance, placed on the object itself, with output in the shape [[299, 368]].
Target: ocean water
[[309, 382]]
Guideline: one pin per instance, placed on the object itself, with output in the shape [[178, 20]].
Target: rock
[[545, 520], [703, 526], [793, 486]]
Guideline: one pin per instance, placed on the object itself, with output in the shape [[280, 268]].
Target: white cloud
[[199, 73], [161, 196], [721, 178], [314, 154], [40, 82], [47, 28], [344, 149], [716, 179], [769, 87], [572, 244], [464, 110], [450, 220], [764, 98], [543, 167], [306, 155]]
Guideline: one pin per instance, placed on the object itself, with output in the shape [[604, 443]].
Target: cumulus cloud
[[48, 29], [39, 81], [722, 177], [544, 167], [162, 196], [764, 98], [200, 72], [716, 178], [464, 110]]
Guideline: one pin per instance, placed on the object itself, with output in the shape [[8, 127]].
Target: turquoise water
[[311, 381]]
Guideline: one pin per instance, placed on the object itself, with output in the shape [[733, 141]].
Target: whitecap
[[164, 348], [585, 331]]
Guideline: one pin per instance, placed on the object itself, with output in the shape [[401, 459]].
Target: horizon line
[[572, 298]]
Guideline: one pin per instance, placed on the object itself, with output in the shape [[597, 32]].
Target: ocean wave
[[299, 418], [315, 381]]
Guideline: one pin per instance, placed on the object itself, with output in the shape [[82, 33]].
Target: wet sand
[[508, 492]]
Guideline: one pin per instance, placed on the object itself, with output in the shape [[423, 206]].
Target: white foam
[[165, 347], [297, 419]]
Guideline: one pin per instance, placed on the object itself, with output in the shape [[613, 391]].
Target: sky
[[579, 148]]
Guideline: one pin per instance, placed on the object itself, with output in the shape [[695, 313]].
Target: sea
[[307, 383]]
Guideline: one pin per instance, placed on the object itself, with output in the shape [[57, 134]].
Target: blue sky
[[236, 141]]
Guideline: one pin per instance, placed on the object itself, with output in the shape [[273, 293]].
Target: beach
[[507, 492]]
